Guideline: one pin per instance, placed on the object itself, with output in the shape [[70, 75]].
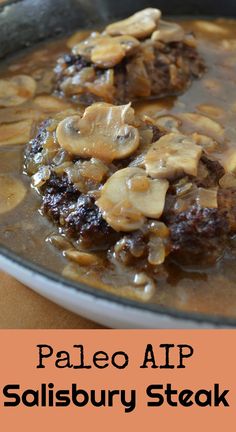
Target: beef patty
[[196, 233], [156, 69]]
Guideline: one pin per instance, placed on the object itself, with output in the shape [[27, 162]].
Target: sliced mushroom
[[15, 133], [85, 47], [129, 196], [147, 195], [171, 155], [139, 25], [113, 50], [115, 205], [168, 32], [192, 122], [168, 123], [17, 90], [105, 51], [211, 110], [214, 86], [104, 132], [153, 108], [12, 193], [211, 27], [77, 37], [51, 104], [129, 43], [13, 115], [107, 55], [207, 143]]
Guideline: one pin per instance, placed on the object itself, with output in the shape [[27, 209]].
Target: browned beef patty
[[196, 234], [156, 69]]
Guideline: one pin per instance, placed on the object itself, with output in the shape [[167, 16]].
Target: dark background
[[24, 22]]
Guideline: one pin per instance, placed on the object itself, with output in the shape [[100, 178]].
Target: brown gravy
[[24, 231]]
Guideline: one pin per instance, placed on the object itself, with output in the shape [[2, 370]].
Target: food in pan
[[131, 170], [138, 188], [140, 57]]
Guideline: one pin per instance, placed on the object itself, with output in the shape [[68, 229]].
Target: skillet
[[27, 22]]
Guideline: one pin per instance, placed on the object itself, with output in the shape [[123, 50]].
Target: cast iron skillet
[[26, 22]]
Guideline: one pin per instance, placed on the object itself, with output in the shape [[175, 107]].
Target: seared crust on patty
[[198, 234], [76, 213]]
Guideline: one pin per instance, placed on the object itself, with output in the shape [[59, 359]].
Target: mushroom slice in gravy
[[104, 131], [105, 51], [173, 155], [168, 32], [129, 196], [139, 25], [16, 90]]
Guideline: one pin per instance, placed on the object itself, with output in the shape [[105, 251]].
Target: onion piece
[[157, 252]]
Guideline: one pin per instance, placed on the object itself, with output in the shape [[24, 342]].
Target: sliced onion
[[157, 253]]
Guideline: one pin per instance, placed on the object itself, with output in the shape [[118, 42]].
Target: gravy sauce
[[24, 230]]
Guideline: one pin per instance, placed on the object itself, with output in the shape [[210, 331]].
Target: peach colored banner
[[92, 380]]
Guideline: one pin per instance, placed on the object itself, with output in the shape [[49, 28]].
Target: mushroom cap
[[172, 155], [104, 132], [168, 32], [194, 122], [129, 196], [168, 123], [51, 104], [139, 25], [106, 51]]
